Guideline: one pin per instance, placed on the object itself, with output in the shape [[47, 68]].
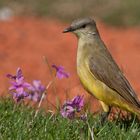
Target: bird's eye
[[84, 26]]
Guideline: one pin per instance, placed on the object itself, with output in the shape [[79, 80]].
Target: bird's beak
[[69, 29]]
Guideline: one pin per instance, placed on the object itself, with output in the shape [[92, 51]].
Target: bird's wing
[[106, 70]]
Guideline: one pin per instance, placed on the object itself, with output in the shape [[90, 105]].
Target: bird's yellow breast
[[89, 81], [96, 87]]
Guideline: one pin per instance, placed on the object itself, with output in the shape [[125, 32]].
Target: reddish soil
[[24, 42]]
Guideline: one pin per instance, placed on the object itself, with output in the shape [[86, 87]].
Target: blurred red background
[[24, 42]]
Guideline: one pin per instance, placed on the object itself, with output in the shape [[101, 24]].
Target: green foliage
[[118, 12], [17, 122], [127, 13]]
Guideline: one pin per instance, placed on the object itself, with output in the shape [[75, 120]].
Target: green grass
[[17, 123]]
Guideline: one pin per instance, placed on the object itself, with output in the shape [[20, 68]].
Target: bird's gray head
[[82, 27]]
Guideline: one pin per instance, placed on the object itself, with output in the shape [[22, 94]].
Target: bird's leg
[[106, 112]]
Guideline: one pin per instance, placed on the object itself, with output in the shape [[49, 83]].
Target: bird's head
[[82, 27]]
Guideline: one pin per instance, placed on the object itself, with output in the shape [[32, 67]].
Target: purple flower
[[68, 112], [19, 96], [36, 91], [71, 107], [19, 86], [38, 87], [78, 103], [34, 96], [21, 89], [17, 76], [60, 73]]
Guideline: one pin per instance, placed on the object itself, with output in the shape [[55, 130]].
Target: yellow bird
[[98, 72]]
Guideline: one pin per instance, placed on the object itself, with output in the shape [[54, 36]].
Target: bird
[[98, 72]]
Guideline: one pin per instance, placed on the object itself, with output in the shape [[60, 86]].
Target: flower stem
[[42, 97], [90, 130]]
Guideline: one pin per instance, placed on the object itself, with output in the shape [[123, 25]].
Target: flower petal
[[60, 73], [12, 87], [20, 90], [11, 76], [19, 73], [68, 112]]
